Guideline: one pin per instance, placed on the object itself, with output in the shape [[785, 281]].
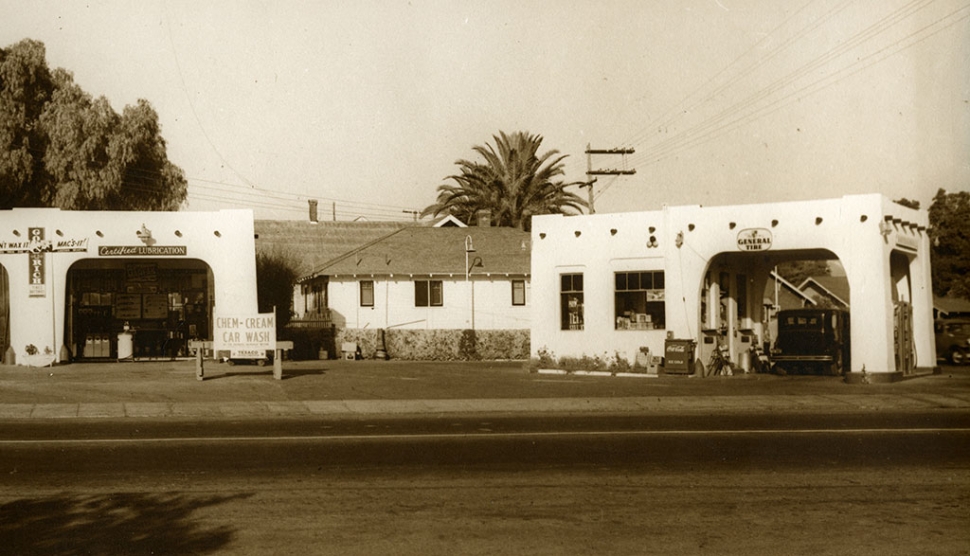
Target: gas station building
[[78, 285], [616, 284]]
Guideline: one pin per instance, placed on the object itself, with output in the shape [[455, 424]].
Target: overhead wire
[[714, 130], [188, 98], [685, 137], [676, 112]]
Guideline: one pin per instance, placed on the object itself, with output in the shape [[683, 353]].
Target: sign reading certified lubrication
[[754, 239], [245, 336]]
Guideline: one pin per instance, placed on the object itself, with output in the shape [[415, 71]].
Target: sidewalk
[[361, 389]]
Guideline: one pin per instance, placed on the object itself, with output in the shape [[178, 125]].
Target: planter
[[38, 360]]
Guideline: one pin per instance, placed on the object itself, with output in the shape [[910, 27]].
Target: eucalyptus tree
[[513, 182], [59, 147]]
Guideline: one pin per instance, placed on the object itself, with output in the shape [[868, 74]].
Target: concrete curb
[[545, 406]]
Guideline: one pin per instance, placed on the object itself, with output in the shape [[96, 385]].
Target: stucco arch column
[[866, 267], [923, 338]]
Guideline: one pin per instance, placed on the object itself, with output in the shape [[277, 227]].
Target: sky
[[366, 105]]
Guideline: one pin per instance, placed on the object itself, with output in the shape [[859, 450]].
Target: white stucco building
[[615, 283], [70, 281]]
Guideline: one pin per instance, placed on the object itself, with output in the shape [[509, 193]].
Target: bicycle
[[719, 364]]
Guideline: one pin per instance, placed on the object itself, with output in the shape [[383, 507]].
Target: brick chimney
[[483, 218], [313, 210]]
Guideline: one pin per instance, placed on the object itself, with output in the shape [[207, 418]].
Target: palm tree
[[513, 184]]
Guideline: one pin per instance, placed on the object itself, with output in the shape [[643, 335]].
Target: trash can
[[125, 347], [679, 356]]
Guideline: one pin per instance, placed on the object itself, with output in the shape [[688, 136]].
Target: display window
[[138, 309]]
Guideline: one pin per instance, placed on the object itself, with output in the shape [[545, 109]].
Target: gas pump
[[905, 350]]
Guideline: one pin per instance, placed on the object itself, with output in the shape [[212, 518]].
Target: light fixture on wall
[[680, 239], [145, 235], [885, 228]]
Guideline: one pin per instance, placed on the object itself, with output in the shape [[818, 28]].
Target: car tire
[[835, 368], [957, 357]]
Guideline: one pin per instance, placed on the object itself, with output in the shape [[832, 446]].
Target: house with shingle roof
[[424, 277], [834, 290], [441, 290]]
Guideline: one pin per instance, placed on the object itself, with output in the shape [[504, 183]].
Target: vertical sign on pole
[[37, 281]]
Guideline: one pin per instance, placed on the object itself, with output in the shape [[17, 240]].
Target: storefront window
[[571, 301], [639, 300]]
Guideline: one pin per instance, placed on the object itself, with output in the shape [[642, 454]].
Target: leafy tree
[[61, 148], [910, 203], [514, 182], [275, 278], [797, 272], [950, 231]]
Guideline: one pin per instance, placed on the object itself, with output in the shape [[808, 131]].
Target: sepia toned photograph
[[417, 277]]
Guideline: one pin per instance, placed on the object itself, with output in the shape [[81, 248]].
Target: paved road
[[403, 458], [685, 484]]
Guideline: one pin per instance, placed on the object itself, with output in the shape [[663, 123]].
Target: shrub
[[440, 345]]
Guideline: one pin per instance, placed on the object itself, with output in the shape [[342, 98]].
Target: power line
[[811, 88], [712, 126], [675, 113], [188, 97]]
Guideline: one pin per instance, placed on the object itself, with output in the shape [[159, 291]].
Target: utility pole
[[413, 213], [603, 172]]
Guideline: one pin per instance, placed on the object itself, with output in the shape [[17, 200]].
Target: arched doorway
[[162, 302]]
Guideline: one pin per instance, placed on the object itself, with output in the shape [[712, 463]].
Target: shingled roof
[[311, 245], [423, 250]]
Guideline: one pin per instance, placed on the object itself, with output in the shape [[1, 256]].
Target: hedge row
[[438, 345]]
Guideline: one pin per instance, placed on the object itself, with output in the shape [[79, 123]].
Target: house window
[[366, 293], [314, 298], [518, 292], [428, 293], [571, 300], [639, 300]]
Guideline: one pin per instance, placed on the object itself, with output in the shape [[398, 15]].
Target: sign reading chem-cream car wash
[[245, 336], [615, 285], [78, 285]]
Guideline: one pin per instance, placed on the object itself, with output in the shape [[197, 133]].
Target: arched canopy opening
[[742, 293], [137, 308]]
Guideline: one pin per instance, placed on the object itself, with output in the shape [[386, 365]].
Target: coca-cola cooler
[[679, 356]]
